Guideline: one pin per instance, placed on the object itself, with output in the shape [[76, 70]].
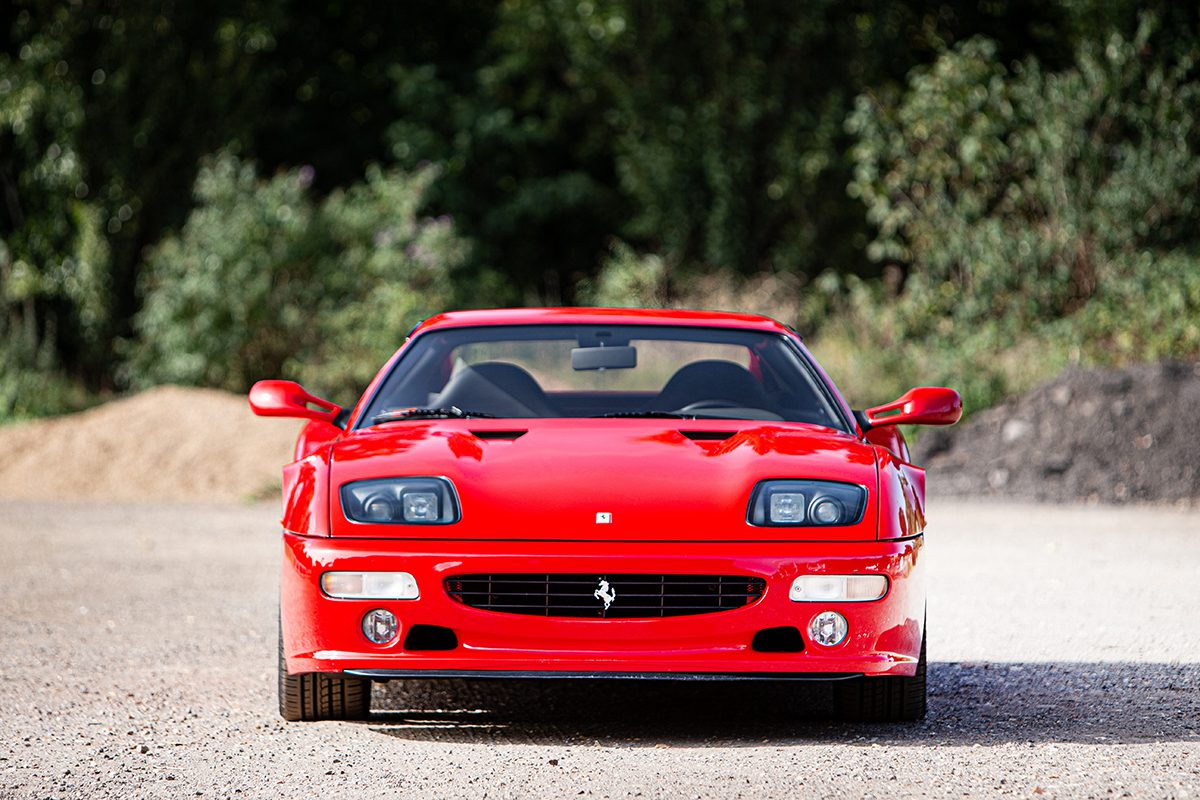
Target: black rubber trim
[[504, 674], [825, 389]]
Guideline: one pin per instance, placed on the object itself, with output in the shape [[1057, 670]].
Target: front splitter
[[498, 674]]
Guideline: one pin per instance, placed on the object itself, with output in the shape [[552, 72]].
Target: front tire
[[316, 696], [886, 699]]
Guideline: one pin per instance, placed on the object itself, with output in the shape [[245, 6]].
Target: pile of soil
[[165, 444], [1110, 436]]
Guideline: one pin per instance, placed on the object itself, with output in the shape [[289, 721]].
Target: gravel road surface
[[137, 649]]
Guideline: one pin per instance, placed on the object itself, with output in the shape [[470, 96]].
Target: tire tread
[[887, 699], [318, 696]]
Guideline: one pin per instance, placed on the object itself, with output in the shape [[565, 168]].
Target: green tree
[[54, 258], [1036, 217], [1008, 193], [266, 280], [727, 117], [528, 164]]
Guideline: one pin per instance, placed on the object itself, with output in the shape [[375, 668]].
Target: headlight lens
[[804, 502], [370, 585], [405, 501]]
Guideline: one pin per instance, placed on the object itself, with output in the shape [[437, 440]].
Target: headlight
[[405, 501], [806, 503]]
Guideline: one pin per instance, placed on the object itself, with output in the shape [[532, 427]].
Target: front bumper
[[323, 634]]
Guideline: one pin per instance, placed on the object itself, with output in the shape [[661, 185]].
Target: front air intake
[[605, 596], [430, 637], [785, 639], [499, 436], [708, 436]]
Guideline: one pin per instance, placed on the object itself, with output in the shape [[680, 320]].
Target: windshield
[[602, 371]]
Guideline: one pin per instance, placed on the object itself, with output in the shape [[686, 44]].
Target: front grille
[[630, 596]]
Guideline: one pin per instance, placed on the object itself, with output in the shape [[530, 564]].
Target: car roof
[[601, 316]]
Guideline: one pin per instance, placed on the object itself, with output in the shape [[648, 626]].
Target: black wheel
[[887, 699], [315, 695]]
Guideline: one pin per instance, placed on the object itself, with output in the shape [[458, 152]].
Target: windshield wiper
[[646, 414], [453, 412]]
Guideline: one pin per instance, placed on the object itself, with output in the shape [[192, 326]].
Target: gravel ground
[[137, 649]]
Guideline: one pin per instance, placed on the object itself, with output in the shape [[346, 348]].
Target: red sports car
[[602, 493]]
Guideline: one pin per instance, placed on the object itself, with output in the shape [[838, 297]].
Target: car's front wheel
[[887, 699], [315, 696]]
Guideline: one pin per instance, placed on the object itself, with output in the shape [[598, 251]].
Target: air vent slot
[[501, 436], [430, 637], [708, 436], [778, 640]]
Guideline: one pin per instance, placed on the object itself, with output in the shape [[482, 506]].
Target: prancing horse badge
[[605, 593]]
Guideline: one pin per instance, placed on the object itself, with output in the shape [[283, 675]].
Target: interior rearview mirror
[[603, 357]]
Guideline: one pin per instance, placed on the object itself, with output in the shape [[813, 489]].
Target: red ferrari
[[602, 493]]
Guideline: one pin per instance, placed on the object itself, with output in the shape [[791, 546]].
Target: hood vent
[[708, 436], [503, 436]]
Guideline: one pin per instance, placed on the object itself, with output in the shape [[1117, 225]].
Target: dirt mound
[[1112, 436], [168, 443]]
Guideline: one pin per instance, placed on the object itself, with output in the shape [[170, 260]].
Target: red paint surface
[[677, 506], [322, 634], [551, 482]]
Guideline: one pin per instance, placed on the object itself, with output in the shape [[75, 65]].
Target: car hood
[[660, 480]]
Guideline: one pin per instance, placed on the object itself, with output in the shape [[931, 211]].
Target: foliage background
[[967, 193]]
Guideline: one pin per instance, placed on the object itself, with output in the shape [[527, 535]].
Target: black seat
[[710, 380], [496, 387]]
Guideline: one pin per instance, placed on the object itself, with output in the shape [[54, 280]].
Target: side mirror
[[926, 405], [288, 399]]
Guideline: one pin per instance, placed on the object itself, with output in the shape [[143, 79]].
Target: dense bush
[[630, 280], [53, 254], [1043, 215], [1147, 309], [1007, 194], [266, 281]]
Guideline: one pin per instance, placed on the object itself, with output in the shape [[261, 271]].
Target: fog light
[[838, 588], [380, 626], [828, 628]]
